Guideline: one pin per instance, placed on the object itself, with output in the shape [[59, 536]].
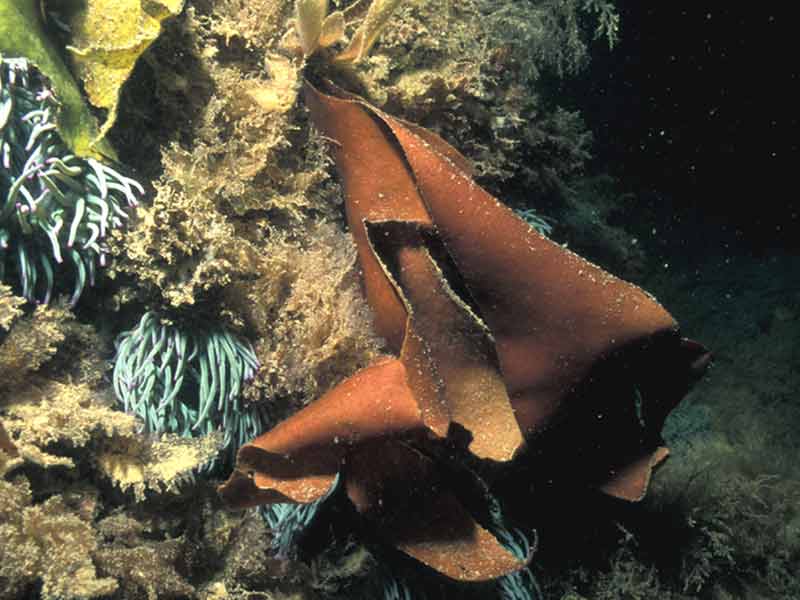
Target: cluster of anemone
[[540, 223], [188, 380], [56, 208], [520, 585], [287, 522]]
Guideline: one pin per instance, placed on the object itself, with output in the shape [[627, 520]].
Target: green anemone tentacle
[[52, 203], [188, 380]]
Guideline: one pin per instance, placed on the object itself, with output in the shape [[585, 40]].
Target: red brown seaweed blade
[[495, 327], [413, 509], [463, 354], [297, 461], [631, 481], [553, 314], [380, 189]]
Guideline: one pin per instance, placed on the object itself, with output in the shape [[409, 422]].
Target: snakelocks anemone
[[55, 207], [187, 380]]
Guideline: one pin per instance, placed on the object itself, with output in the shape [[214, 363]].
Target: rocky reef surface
[[239, 239]]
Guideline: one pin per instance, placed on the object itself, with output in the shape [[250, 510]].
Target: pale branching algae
[[55, 207], [187, 380]]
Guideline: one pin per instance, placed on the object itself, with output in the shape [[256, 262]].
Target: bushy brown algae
[[223, 203], [46, 416], [242, 160], [220, 194], [47, 541], [473, 85], [9, 306], [309, 315], [30, 342]]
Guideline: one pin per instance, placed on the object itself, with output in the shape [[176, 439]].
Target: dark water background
[[696, 109]]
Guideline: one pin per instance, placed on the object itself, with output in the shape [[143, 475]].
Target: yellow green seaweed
[[22, 34]]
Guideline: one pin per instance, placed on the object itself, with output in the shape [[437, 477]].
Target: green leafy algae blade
[[22, 35]]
